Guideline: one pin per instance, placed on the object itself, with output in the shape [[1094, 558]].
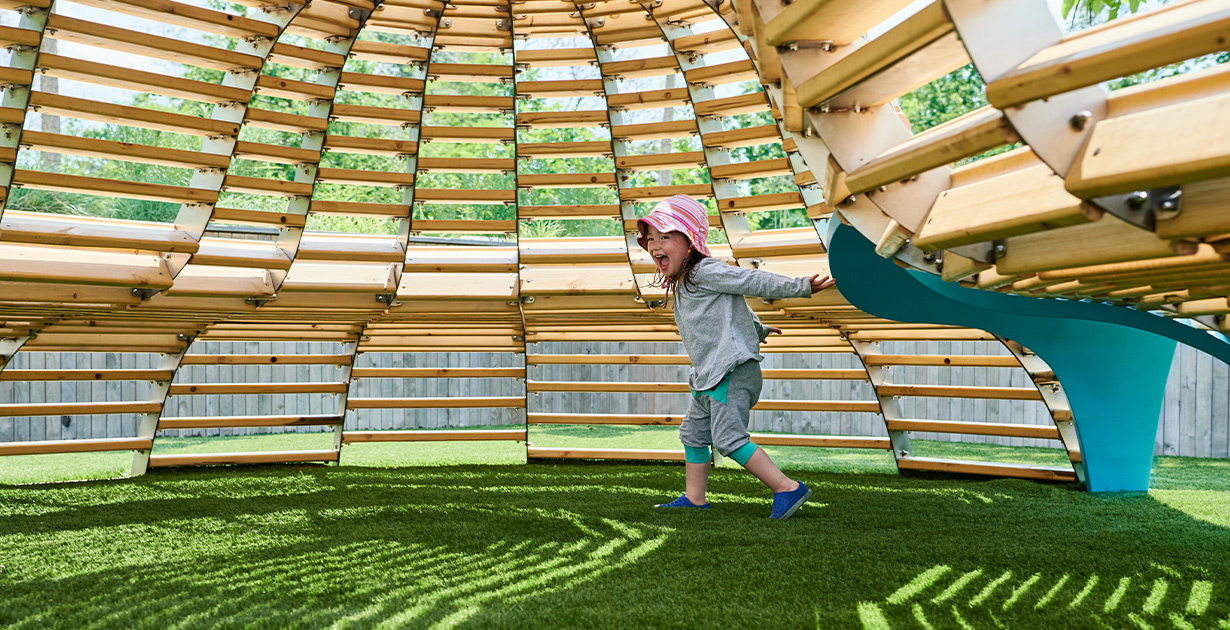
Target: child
[[722, 337]]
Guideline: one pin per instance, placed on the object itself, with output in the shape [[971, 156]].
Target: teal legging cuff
[[696, 454], [743, 453]]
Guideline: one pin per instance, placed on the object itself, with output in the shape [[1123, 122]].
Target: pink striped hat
[[680, 213]]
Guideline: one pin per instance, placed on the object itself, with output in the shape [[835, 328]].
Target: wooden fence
[[1195, 419]]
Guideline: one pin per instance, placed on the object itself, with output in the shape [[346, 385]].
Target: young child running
[[722, 337]]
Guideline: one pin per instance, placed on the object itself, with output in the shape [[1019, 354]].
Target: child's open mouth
[[663, 262]]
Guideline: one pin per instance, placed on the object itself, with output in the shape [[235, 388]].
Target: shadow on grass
[[578, 546]]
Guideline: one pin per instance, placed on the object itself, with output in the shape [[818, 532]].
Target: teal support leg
[[1111, 361]]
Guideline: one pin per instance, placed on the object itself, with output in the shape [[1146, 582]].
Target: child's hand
[[819, 284], [774, 330]]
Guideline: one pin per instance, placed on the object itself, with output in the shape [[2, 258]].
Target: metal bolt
[[1078, 120], [1136, 200], [1169, 205], [1000, 250]]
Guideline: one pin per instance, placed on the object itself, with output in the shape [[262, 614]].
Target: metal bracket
[[144, 294], [384, 298], [1144, 208], [527, 299]]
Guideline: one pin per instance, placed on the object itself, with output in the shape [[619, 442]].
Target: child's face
[[669, 250]]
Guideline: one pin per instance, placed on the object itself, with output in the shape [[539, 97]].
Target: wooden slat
[[467, 165], [376, 146], [1108, 240], [861, 406], [542, 150], [568, 212], [722, 73], [444, 195], [364, 178], [973, 133], [15, 36], [992, 469], [745, 137], [276, 153], [652, 99], [976, 428], [655, 131], [437, 372], [282, 121], [309, 58], [215, 459], [266, 359], [940, 359], [638, 68], [823, 20], [897, 53], [386, 52], [821, 441], [711, 42], [487, 402], [217, 422], [956, 391], [556, 57], [560, 89], [470, 72], [198, 389], [87, 375], [468, 134], [538, 452], [475, 435], [562, 119], [603, 386], [76, 446], [606, 359], [291, 89], [257, 217], [604, 418], [566, 180], [77, 409], [1116, 159], [733, 105], [48, 229], [815, 374], [661, 161]]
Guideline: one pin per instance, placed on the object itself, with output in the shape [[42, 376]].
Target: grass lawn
[[452, 535]]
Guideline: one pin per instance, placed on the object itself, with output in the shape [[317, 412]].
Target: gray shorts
[[724, 426]]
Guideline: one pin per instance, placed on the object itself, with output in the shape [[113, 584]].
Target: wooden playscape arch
[[469, 132]]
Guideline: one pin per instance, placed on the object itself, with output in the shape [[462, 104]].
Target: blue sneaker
[[682, 502], [785, 503]]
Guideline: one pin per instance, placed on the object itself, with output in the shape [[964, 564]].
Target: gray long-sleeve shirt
[[718, 328]]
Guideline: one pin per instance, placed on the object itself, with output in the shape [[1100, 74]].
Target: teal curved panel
[[1111, 361]]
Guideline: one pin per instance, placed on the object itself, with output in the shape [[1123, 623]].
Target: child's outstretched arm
[[724, 278]]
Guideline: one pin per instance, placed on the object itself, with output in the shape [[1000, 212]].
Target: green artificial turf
[[414, 536]]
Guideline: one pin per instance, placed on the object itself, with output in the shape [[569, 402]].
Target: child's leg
[[696, 437], [730, 428], [697, 481], [762, 466]]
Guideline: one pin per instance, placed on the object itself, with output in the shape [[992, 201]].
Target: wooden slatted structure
[[431, 177]]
